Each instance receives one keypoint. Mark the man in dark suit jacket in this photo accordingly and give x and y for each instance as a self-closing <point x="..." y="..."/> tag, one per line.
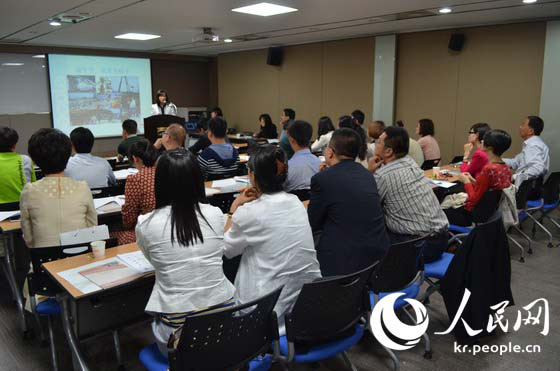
<point x="345" y="208"/>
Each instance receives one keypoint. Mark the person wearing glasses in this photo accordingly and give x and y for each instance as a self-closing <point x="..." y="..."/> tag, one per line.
<point x="172" y="138"/>
<point x="479" y="158"/>
<point x="163" y="105"/>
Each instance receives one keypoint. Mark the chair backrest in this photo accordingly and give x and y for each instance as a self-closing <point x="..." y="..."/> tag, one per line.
<point x="222" y="200"/>
<point x="302" y="194"/>
<point x="9" y="206"/>
<point x="552" y="188"/>
<point x="328" y="308"/>
<point x="115" y="190"/>
<point x="228" y="338"/>
<point x="456" y="159"/>
<point x="530" y="189"/>
<point x="429" y="164"/>
<point x="39" y="281"/>
<point x="487" y="206"/>
<point x="399" y="266"/>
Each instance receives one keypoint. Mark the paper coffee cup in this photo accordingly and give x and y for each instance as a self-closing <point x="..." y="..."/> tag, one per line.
<point x="98" y="249"/>
<point x="435" y="170"/>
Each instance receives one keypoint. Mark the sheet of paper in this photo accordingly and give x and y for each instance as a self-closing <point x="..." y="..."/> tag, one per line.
<point x="136" y="260"/>
<point x="443" y="183"/>
<point x="243" y="157"/>
<point x="7" y="214"/>
<point x="273" y="141"/>
<point x="86" y="235"/>
<point x="242" y="179"/>
<point x="80" y="282"/>
<point x="98" y="202"/>
<point x="124" y="173"/>
<point x="223" y="183"/>
<point x="211" y="191"/>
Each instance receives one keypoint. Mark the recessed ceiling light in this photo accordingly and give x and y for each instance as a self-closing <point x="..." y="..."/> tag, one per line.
<point x="12" y="64"/>
<point x="55" y="23"/>
<point x="529" y="1"/>
<point x="264" y="9"/>
<point x="228" y="40"/>
<point x="445" y="10"/>
<point x="137" y="36"/>
<point x="39" y="56"/>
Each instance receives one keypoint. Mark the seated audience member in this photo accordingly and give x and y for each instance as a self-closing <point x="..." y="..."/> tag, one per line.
<point x="344" y="207"/>
<point x="183" y="239"/>
<point x="56" y="203"/>
<point x="375" y="129"/>
<point x="410" y="206"/>
<point x="16" y="169"/>
<point x="414" y="149"/>
<point x="216" y="112"/>
<point x="267" y="130"/>
<point x="324" y="134"/>
<point x="288" y="116"/>
<point x="479" y="158"/>
<point x="534" y="160"/>
<point x="96" y="171"/>
<point x="139" y="189"/>
<point x="203" y="142"/>
<point x="270" y="230"/>
<point x="427" y="142"/>
<point x="349" y="122"/>
<point x="495" y="175"/>
<point x="172" y="138"/>
<point x="220" y="158"/>
<point x="130" y="136"/>
<point x="303" y="164"/>
<point x="358" y="117"/>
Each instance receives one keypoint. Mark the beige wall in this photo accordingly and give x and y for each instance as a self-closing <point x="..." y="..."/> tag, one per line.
<point x="328" y="78"/>
<point x="495" y="79"/>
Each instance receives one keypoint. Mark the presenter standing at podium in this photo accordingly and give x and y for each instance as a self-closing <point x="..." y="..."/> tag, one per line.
<point x="163" y="106"/>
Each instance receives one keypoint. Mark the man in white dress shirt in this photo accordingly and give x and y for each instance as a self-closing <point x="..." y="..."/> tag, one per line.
<point x="534" y="160"/>
<point x="96" y="171"/>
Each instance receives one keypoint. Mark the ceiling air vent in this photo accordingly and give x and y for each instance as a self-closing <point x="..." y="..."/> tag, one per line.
<point x="71" y="17"/>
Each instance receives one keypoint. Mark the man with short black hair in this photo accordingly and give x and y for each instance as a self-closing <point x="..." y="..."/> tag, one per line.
<point x="358" y="117"/>
<point x="220" y="158"/>
<point x="344" y="208"/>
<point x="286" y="119"/>
<point x="303" y="164"/>
<point x="534" y="160"/>
<point x="96" y="171"/>
<point x="410" y="206"/>
<point x="16" y="169"/>
<point x="203" y="142"/>
<point x="130" y="136"/>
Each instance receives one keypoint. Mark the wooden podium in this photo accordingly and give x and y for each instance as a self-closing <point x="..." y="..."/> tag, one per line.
<point x="154" y="126"/>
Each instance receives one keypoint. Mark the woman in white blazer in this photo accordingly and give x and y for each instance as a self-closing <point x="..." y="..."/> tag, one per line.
<point x="183" y="239"/>
<point x="163" y="105"/>
<point x="270" y="230"/>
<point x="324" y="134"/>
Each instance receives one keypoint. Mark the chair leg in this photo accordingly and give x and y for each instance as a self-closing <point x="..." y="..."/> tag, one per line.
<point x="348" y="362"/>
<point x="33" y="302"/>
<point x="522" y="258"/>
<point x="518" y="229"/>
<point x="542" y="227"/>
<point x="53" y="346"/>
<point x="117" y="343"/>
<point x="427" y="342"/>
<point x="394" y="358"/>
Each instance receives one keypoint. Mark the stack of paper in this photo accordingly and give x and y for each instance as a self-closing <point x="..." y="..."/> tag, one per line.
<point x="136" y="260"/>
<point x="443" y="183"/>
<point x="230" y="182"/>
<point x="242" y="179"/>
<point x="211" y="191"/>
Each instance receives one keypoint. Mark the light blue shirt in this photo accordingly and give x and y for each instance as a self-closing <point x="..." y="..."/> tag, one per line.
<point x="96" y="171"/>
<point x="301" y="167"/>
<point x="532" y="162"/>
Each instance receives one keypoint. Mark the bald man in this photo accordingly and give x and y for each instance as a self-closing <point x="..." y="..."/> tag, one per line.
<point x="173" y="137"/>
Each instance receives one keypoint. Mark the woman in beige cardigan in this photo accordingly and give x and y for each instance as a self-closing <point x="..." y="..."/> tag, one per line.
<point x="56" y="203"/>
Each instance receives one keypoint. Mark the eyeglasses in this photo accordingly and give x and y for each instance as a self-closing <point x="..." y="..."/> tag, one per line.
<point x="472" y="132"/>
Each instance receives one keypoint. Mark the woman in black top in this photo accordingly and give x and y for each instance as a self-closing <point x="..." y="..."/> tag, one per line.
<point x="267" y="128"/>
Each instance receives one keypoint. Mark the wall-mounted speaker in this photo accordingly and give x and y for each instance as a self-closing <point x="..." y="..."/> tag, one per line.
<point x="275" y="56"/>
<point x="456" y="42"/>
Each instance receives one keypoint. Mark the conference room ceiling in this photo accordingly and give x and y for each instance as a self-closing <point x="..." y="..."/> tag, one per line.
<point x="26" y="22"/>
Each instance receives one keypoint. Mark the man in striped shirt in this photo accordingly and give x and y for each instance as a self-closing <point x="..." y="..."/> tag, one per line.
<point x="410" y="206"/>
<point x="220" y="158"/>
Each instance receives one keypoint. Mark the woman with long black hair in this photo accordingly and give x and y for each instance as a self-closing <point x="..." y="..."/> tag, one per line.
<point x="163" y="106"/>
<point x="183" y="239"/>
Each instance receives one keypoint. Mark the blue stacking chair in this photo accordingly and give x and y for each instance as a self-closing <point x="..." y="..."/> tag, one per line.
<point x="529" y="202"/>
<point x="39" y="282"/>
<point x="546" y="205"/>
<point x="401" y="270"/>
<point x="327" y="319"/>
<point x="225" y="339"/>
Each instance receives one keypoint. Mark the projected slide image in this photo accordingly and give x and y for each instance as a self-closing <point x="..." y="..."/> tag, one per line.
<point x="103" y="99"/>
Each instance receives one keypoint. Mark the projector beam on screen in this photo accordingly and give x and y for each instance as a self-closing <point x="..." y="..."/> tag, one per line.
<point x="99" y="92"/>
